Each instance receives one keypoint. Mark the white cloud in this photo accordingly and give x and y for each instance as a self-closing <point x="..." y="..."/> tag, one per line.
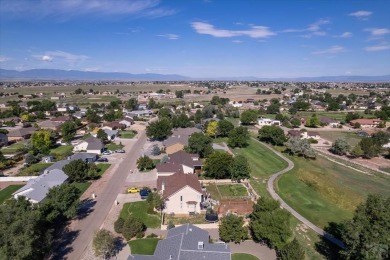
<point x="381" y="47"/>
<point x="4" y="59"/>
<point x="345" y="35"/>
<point x="378" y="31"/>
<point x="237" y="41"/>
<point x="332" y="50"/>
<point x="47" y="58"/>
<point x="60" y="55"/>
<point x="169" y="36"/>
<point x="361" y="14"/>
<point x="313" y="29"/>
<point x="150" y="8"/>
<point x="253" y="32"/>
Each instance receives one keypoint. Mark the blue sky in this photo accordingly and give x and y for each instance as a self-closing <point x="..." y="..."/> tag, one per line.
<point x="198" y="38"/>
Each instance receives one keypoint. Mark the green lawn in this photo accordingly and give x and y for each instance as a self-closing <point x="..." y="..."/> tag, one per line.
<point x="127" y="134"/>
<point x="263" y="163"/>
<point x="323" y="191"/>
<point x="351" y="137"/>
<point x="62" y="151"/>
<point x="337" y="115"/>
<point x="82" y="186"/>
<point x="138" y="210"/>
<point x="7" y="192"/>
<point x="212" y="189"/>
<point x="232" y="190"/>
<point x="13" y="148"/>
<point x="144" y="246"/>
<point x="33" y="169"/>
<point x="234" y="121"/>
<point x="102" y="167"/>
<point x="114" y="146"/>
<point x="242" y="256"/>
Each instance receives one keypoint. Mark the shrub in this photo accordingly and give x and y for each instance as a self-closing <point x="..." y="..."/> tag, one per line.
<point x="140" y="235"/>
<point x="118" y="225"/>
<point x="152" y="236"/>
<point x="132" y="227"/>
<point x="313" y="141"/>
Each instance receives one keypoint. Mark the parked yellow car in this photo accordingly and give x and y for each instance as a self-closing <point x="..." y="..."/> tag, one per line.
<point x="133" y="190"/>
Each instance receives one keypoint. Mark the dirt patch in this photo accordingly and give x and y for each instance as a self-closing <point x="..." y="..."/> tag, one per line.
<point x="4" y="185"/>
<point x="240" y="207"/>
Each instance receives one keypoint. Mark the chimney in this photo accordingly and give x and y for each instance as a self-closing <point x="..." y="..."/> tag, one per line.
<point x="163" y="186"/>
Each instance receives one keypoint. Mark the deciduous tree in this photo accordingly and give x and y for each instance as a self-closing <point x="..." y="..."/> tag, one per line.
<point x="340" y="147"/>
<point x="238" y="137"/>
<point x="41" y="141"/>
<point x="248" y="117"/>
<point x="104" y="244"/>
<point x="300" y="147"/>
<point x="160" y="129"/>
<point x="200" y="144"/>
<point x="212" y="129"/>
<point x="232" y="228"/>
<point x="366" y="236"/>
<point x="144" y="163"/>
<point x="270" y="223"/>
<point x="224" y="128"/>
<point x="218" y="165"/>
<point x="68" y="131"/>
<point x="240" y="168"/>
<point x="292" y="251"/>
<point x="272" y="134"/>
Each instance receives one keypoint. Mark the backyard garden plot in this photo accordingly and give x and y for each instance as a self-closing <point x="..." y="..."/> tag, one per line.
<point x="180" y="220"/>
<point x="220" y="191"/>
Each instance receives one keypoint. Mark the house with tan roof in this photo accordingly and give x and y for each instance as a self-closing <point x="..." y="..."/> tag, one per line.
<point x="182" y="193"/>
<point x="179" y="139"/>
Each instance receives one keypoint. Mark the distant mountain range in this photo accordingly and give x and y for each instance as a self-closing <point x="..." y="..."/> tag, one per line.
<point x="53" y="74"/>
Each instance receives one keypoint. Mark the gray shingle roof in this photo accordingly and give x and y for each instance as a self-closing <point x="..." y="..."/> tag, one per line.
<point x="94" y="143"/>
<point x="41" y="185"/>
<point x="182" y="244"/>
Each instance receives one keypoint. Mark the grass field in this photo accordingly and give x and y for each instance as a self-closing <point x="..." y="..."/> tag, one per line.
<point x="263" y="163"/>
<point x="82" y="186"/>
<point x="13" y="148"/>
<point x="62" y="151"/>
<point x="102" y="167"/>
<point x="234" y="121"/>
<point x="241" y="256"/>
<point x="338" y="115"/>
<point x="144" y="246"/>
<point x="33" y="169"/>
<point x="7" y="192"/>
<point x="351" y="137"/>
<point x="324" y="192"/>
<point x="127" y="134"/>
<point x="138" y="211"/>
<point x="232" y="190"/>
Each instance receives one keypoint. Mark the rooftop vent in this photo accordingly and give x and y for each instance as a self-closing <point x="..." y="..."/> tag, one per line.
<point x="200" y="245"/>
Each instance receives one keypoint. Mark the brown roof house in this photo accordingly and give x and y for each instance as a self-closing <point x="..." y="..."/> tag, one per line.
<point x="21" y="133"/>
<point x="180" y="161"/>
<point x="53" y="125"/>
<point x="182" y="193"/>
<point x="179" y="139"/>
<point x="366" y="123"/>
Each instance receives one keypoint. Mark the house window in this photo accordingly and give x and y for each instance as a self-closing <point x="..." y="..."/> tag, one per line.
<point x="181" y="198"/>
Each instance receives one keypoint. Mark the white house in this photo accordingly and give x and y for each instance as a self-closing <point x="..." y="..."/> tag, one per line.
<point x="90" y="145"/>
<point x="182" y="193"/>
<point x="310" y="135"/>
<point x="127" y="121"/>
<point x="267" y="121"/>
<point x="235" y="104"/>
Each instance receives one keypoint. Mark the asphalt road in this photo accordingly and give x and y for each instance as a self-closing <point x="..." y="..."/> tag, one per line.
<point x="272" y="192"/>
<point x="104" y="200"/>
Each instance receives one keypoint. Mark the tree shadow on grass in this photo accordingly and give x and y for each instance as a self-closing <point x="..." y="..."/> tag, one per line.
<point x="86" y="208"/>
<point x="327" y="248"/>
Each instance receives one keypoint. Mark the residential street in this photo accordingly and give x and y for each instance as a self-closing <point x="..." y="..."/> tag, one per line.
<point x="105" y="198"/>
